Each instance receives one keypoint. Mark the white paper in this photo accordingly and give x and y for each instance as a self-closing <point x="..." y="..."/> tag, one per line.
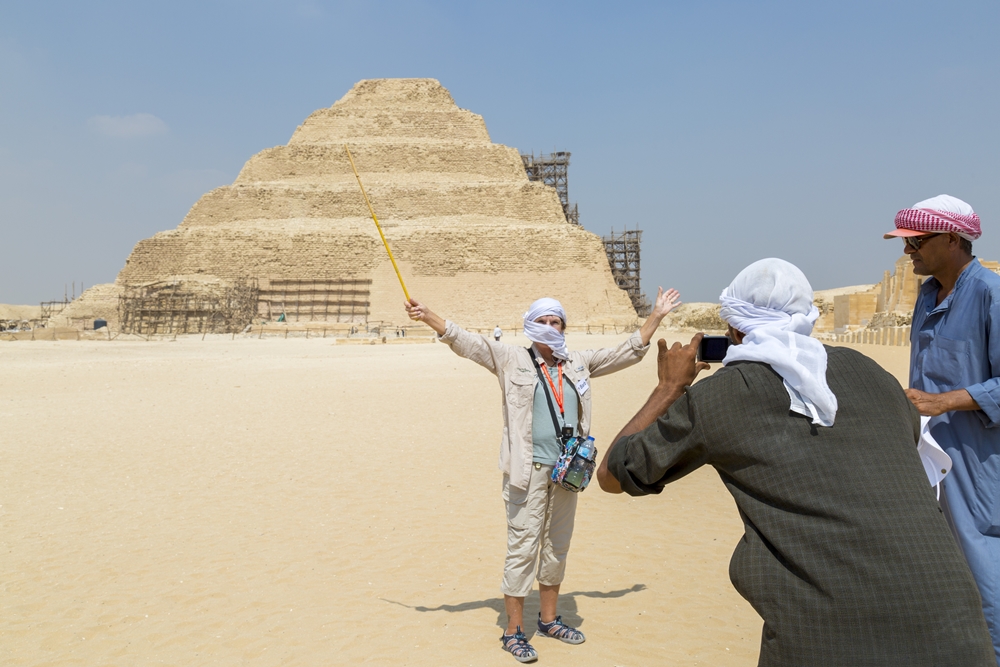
<point x="937" y="463"/>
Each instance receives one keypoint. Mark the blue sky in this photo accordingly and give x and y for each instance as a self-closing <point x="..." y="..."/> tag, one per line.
<point x="727" y="131"/>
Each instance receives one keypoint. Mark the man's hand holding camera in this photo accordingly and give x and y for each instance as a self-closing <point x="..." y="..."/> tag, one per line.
<point x="676" y="368"/>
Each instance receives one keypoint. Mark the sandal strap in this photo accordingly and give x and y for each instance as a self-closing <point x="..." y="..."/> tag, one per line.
<point x="517" y="644"/>
<point x="559" y="630"/>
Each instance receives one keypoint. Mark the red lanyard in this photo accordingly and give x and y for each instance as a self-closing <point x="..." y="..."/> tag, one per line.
<point x="558" y="393"/>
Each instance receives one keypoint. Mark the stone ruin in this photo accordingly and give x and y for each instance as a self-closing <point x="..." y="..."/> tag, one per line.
<point x="875" y="314"/>
<point x="474" y="238"/>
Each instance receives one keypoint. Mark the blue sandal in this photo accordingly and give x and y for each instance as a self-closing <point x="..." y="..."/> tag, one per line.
<point x="559" y="630"/>
<point x="517" y="645"/>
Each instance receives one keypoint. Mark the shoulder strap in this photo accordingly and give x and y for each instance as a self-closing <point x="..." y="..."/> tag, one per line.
<point x="545" y="388"/>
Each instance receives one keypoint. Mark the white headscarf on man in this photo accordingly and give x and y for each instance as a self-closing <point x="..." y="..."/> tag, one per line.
<point x="771" y="302"/>
<point x="543" y="333"/>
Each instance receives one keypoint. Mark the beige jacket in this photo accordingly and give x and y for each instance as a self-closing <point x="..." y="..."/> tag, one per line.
<point x="516" y="374"/>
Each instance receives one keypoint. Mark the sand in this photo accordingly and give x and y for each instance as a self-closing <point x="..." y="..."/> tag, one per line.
<point x="12" y="312"/>
<point x="296" y="502"/>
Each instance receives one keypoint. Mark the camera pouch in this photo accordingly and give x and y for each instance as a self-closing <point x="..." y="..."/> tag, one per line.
<point x="576" y="464"/>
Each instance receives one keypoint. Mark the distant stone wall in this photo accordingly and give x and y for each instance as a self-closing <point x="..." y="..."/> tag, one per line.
<point x="853" y="310"/>
<point x="869" y="306"/>
<point x="879" y="336"/>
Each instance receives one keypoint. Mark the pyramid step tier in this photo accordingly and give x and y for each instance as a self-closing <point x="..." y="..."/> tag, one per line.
<point x="422" y="94"/>
<point x="426" y="162"/>
<point x="337" y="253"/>
<point x="529" y="201"/>
<point x="476" y="276"/>
<point x="336" y="125"/>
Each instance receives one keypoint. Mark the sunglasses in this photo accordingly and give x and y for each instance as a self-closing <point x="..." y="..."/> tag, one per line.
<point x="916" y="241"/>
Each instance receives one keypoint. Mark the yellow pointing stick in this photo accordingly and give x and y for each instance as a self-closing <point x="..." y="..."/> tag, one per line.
<point x="377" y="226"/>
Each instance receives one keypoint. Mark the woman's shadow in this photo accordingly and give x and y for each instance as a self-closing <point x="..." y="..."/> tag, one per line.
<point x="567" y="606"/>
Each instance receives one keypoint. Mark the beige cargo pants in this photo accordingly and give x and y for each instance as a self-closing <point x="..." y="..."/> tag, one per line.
<point x="539" y="529"/>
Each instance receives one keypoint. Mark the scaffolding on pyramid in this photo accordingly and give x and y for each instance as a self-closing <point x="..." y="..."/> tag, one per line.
<point x="623" y="257"/>
<point x="553" y="170"/>
<point x="181" y="307"/>
<point x="320" y="300"/>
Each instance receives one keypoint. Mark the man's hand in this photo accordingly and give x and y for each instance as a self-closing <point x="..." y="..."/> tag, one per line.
<point x="933" y="405"/>
<point x="665" y="302"/>
<point x="677" y="367"/>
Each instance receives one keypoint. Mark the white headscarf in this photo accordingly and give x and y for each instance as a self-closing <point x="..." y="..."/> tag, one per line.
<point x="770" y="301"/>
<point x="543" y="333"/>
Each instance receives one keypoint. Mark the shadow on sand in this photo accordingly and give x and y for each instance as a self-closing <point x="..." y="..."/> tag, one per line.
<point x="567" y="606"/>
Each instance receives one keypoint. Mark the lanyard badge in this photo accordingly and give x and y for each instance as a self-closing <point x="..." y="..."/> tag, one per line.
<point x="557" y="393"/>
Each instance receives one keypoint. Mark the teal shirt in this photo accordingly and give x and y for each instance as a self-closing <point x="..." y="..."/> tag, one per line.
<point x="546" y="446"/>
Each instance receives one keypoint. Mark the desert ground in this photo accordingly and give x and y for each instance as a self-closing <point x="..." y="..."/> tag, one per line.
<point x="301" y="502"/>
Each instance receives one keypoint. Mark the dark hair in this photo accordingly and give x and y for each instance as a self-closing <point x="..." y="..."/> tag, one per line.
<point x="965" y="245"/>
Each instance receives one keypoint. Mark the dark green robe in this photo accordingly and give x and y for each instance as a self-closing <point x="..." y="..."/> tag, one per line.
<point x="846" y="555"/>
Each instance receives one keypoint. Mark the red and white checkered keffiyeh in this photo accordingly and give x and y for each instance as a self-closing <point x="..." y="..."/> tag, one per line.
<point x="943" y="213"/>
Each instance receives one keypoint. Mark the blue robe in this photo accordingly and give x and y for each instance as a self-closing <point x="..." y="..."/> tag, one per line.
<point x="956" y="345"/>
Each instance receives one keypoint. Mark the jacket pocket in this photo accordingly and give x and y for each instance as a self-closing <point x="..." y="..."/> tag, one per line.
<point x="520" y="390"/>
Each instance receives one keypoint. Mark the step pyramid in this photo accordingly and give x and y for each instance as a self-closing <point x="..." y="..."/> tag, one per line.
<point x="474" y="238"/>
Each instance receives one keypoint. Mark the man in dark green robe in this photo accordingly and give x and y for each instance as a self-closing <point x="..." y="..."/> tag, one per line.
<point x="846" y="555"/>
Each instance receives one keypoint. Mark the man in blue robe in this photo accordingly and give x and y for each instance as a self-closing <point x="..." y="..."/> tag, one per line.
<point x="955" y="377"/>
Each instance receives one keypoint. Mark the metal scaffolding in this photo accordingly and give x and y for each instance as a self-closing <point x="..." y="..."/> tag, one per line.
<point x="341" y="300"/>
<point x="52" y="308"/>
<point x="553" y="170"/>
<point x="623" y="257"/>
<point x="179" y="307"/>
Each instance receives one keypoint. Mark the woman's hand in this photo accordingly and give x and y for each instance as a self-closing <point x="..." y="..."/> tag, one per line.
<point x="665" y="302"/>
<point x="421" y="313"/>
